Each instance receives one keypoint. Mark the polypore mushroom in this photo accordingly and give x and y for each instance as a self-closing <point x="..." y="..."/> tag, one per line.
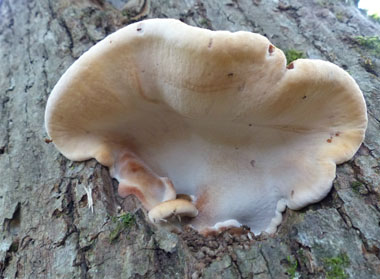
<point x="217" y="113"/>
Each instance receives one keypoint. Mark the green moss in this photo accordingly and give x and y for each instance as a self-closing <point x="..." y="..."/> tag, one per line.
<point x="204" y="22"/>
<point x="301" y="256"/>
<point x="372" y="43"/>
<point x="293" y="54"/>
<point x="368" y="65"/>
<point x="121" y="223"/>
<point x="356" y="185"/>
<point x="359" y="187"/>
<point x="127" y="13"/>
<point x="322" y="3"/>
<point x="292" y="269"/>
<point x="340" y="16"/>
<point x="335" y="266"/>
<point x="14" y="246"/>
<point x="375" y="17"/>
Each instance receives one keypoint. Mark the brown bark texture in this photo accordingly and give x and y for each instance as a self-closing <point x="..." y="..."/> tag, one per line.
<point x="47" y="229"/>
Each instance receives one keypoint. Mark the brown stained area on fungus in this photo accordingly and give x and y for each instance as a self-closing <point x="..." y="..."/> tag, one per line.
<point x="290" y="66"/>
<point x="126" y="190"/>
<point x="271" y="49"/>
<point x="135" y="167"/>
<point x="337" y="134"/>
<point x="134" y="174"/>
<point x="131" y="165"/>
<point x="202" y="199"/>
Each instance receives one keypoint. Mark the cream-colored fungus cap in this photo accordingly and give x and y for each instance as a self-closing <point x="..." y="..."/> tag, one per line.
<point x="214" y="113"/>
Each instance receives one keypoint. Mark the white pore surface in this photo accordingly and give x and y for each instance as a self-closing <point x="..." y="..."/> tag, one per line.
<point x="249" y="181"/>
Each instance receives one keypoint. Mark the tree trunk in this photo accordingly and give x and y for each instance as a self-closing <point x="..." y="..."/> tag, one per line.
<point x="48" y="231"/>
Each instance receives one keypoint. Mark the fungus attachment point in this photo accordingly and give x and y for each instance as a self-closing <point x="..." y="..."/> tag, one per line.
<point x="185" y="197"/>
<point x="172" y="108"/>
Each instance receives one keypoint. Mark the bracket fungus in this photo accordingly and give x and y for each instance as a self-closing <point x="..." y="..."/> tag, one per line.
<point x="174" y="109"/>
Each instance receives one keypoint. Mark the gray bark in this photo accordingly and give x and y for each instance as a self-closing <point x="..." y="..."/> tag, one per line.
<point x="47" y="230"/>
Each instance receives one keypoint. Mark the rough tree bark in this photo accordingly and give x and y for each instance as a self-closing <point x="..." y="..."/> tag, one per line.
<point x="47" y="230"/>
